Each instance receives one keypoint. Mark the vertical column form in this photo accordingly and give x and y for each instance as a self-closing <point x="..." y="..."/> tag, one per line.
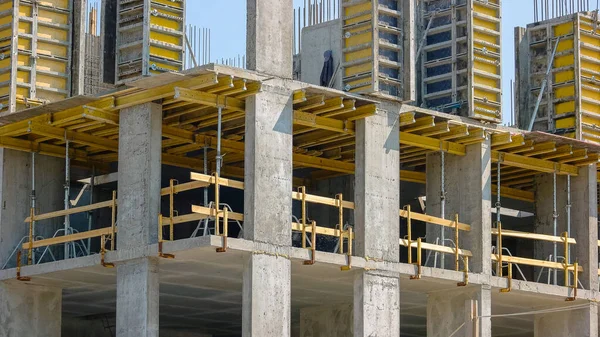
<point x="377" y="200"/>
<point x="572" y="323"/>
<point x="468" y="194"/>
<point x="137" y="298"/>
<point x="268" y="211"/>
<point x="139" y="174"/>
<point x="78" y="47"/>
<point x="269" y="36"/>
<point x="446" y="312"/>
<point x="30" y="310"/>
<point x="584" y="225"/>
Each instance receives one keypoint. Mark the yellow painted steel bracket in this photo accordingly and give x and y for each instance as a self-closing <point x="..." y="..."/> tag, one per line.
<point x="19" y="277"/>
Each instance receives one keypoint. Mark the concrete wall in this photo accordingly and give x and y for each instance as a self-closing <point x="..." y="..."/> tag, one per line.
<point x="315" y="41"/>
<point x="15" y="191"/>
<point x="327" y="321"/>
<point x="29" y="310"/>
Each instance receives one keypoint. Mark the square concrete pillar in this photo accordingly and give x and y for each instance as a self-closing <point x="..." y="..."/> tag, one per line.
<point x="140" y="151"/>
<point x="30" y="310"/>
<point x="377" y="228"/>
<point x="584" y="225"/>
<point x="447" y="310"/>
<point x="269" y="36"/>
<point x="467" y="182"/>
<point x="137" y="298"/>
<point x="584" y="228"/>
<point x="268" y="211"/>
<point x="140" y="135"/>
<point x="572" y="323"/>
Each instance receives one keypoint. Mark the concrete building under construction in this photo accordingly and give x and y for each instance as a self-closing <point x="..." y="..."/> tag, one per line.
<point x="370" y="192"/>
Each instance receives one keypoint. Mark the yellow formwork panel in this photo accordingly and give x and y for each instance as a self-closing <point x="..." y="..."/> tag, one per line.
<point x="486" y="40"/>
<point x="565" y="123"/>
<point x="566" y="28"/>
<point x="563" y="92"/>
<point x="564" y="107"/>
<point x="41" y="53"/>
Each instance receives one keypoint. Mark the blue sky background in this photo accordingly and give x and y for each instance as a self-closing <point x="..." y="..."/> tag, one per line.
<point x="228" y="34"/>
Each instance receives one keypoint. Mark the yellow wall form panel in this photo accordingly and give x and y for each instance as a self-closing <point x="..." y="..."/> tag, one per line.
<point x="43" y="45"/>
<point x="564" y="91"/>
<point x="565" y="123"/>
<point x="563" y="29"/>
<point x="566" y="107"/>
<point x="564" y="76"/>
<point x="591" y="108"/>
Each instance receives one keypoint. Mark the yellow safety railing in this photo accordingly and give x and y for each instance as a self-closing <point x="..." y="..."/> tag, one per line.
<point x="107" y="231"/>
<point x="564" y="239"/>
<point x="459" y="254"/>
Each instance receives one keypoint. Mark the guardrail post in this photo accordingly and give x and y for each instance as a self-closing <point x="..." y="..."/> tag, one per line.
<point x="419" y="261"/>
<point x="223" y="249"/>
<point x="509" y="278"/>
<point x="339" y="198"/>
<point x="499" y="250"/>
<point x="31" y="236"/>
<point x="456" y="252"/>
<point x="409" y="233"/>
<point x="113" y="220"/>
<point x="302" y="190"/>
<point x="313" y="246"/>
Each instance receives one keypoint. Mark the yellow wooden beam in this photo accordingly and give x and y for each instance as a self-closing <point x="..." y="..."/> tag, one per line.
<point x="204" y="98"/>
<point x="149" y="95"/>
<point x="534" y="164"/>
<point x="324" y="123"/>
<point x="431" y="143"/>
<point x="75" y="137"/>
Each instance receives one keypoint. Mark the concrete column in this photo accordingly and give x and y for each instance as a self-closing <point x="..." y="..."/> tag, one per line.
<point x="140" y="129"/>
<point x="573" y="323"/>
<point x="269" y="36"/>
<point x="268" y="212"/>
<point x="447" y="311"/>
<point x="15" y="191"/>
<point x="377" y="228"/>
<point x="584" y="225"/>
<point x="30" y="310"/>
<point x="139" y="205"/>
<point x="137" y="298"/>
<point x="468" y="194"/>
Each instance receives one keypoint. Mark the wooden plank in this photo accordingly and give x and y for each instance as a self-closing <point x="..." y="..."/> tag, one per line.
<point x="74" y="210"/>
<point x="532" y="262"/>
<point x="70" y="238"/>
<point x="184" y="187"/>
<point x="184" y="218"/>
<point x="222" y="181"/>
<point x="436" y="248"/>
<point x="434" y="220"/>
<point x="532" y="236"/>
<point x="320" y="230"/>
<point x="210" y="211"/>
<point x="322" y="200"/>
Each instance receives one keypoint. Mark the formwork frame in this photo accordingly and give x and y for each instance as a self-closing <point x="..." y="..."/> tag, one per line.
<point x="378" y="46"/>
<point x="571" y="101"/>
<point x="39" y="34"/>
<point x="460" y="61"/>
<point x="150" y="38"/>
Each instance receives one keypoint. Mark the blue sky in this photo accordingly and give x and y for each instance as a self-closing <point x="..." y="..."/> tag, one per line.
<point x="228" y="32"/>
